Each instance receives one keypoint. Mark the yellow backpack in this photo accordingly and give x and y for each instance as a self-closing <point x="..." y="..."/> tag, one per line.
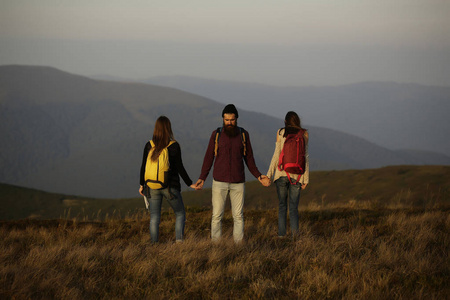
<point x="157" y="172"/>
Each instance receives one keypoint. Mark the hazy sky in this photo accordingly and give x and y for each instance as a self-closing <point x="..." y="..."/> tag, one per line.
<point x="297" y="42"/>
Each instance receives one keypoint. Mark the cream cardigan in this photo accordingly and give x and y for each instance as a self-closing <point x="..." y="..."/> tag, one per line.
<point x="273" y="168"/>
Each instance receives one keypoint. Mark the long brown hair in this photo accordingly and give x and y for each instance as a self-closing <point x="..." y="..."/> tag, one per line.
<point x="292" y="123"/>
<point x="162" y="135"/>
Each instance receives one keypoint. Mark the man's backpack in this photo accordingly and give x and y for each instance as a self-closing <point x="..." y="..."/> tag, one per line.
<point x="157" y="172"/>
<point x="292" y="157"/>
<point x="242" y="134"/>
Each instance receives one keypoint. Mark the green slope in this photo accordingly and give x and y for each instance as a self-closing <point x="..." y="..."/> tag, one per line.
<point x="393" y="186"/>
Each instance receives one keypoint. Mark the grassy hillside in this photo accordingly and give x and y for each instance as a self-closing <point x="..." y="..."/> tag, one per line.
<point x="397" y="186"/>
<point x="19" y="203"/>
<point x="366" y="234"/>
<point x="342" y="253"/>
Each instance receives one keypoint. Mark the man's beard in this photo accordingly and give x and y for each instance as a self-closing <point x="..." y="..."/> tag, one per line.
<point x="230" y="130"/>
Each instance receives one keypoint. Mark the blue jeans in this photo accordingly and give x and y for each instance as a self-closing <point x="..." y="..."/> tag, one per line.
<point x="219" y="196"/>
<point x="176" y="202"/>
<point x="287" y="190"/>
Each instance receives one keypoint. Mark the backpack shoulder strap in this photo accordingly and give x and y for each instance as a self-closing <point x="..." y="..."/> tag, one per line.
<point x="216" y="140"/>
<point x="244" y="140"/>
<point x="301" y="132"/>
<point x="152" y="144"/>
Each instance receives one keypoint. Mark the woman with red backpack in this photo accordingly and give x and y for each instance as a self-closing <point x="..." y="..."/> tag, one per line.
<point x="289" y="168"/>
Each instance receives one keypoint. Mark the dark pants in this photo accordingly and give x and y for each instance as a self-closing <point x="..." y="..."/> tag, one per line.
<point x="285" y="191"/>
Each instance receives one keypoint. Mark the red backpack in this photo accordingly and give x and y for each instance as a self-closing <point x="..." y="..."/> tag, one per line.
<point x="292" y="157"/>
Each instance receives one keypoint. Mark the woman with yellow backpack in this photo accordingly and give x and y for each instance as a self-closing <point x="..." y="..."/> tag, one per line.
<point x="159" y="178"/>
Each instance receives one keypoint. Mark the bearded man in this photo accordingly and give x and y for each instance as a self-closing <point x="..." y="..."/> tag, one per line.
<point x="229" y="147"/>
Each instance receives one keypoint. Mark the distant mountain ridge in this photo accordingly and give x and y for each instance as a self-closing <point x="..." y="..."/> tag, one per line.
<point x="392" y="115"/>
<point x="69" y="134"/>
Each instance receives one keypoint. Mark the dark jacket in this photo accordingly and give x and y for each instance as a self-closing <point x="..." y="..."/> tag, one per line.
<point x="229" y="163"/>
<point x="176" y="166"/>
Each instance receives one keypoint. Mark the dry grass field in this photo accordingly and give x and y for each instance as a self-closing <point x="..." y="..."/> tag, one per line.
<point x="351" y="251"/>
<point x="364" y="234"/>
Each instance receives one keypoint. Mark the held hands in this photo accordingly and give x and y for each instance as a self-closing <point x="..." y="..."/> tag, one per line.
<point x="140" y="190"/>
<point x="198" y="185"/>
<point x="265" y="181"/>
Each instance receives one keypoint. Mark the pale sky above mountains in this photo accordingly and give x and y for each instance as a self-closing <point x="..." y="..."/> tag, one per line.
<point x="286" y="42"/>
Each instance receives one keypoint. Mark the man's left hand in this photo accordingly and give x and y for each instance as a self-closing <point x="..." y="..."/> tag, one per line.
<point x="265" y="181"/>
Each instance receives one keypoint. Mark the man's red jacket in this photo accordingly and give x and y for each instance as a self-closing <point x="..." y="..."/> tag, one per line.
<point x="229" y="163"/>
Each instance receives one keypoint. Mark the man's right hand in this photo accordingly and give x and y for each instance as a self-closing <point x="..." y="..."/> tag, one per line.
<point x="199" y="184"/>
